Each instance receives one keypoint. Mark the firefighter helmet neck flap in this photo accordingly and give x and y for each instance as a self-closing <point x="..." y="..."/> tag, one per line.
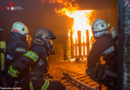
<point x="99" y="28"/>
<point x="44" y="36"/>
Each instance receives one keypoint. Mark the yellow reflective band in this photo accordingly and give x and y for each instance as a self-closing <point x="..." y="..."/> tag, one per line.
<point x="20" y="50"/>
<point x="13" y="72"/>
<point x="2" y="54"/>
<point x="31" y="55"/>
<point x="31" y="85"/>
<point x="2" y="57"/>
<point x="3" y="45"/>
<point x="45" y="85"/>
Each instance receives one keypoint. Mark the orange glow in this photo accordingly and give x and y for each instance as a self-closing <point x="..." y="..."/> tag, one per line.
<point x="85" y="50"/>
<point x="81" y="22"/>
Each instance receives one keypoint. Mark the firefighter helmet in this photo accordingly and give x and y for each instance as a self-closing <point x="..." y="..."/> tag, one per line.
<point x="44" y="36"/>
<point x="99" y="25"/>
<point x="20" y="28"/>
<point x="99" y="28"/>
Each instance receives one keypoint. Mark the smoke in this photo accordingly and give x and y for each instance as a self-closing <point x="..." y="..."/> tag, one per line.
<point x="97" y="4"/>
<point x="84" y="4"/>
<point x="62" y="3"/>
<point x="43" y="1"/>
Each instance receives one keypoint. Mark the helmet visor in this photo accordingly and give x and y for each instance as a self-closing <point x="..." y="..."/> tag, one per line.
<point x="51" y="37"/>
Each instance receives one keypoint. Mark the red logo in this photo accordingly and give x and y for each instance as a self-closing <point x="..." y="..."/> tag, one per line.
<point x="11" y="7"/>
<point x="11" y="4"/>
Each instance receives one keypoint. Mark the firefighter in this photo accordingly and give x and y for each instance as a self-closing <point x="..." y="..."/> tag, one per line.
<point x="103" y="46"/>
<point x="16" y="45"/>
<point x="4" y="35"/>
<point x="33" y="66"/>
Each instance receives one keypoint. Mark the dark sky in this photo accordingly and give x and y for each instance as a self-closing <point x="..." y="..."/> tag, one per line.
<point x="36" y="14"/>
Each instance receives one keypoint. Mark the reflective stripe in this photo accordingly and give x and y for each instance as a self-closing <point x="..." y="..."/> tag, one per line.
<point x="110" y="73"/>
<point x="9" y="57"/>
<point x="20" y="50"/>
<point x="2" y="54"/>
<point x="45" y="85"/>
<point x="13" y="72"/>
<point x="31" y="55"/>
<point x="2" y="61"/>
<point x="31" y="85"/>
<point x="109" y="50"/>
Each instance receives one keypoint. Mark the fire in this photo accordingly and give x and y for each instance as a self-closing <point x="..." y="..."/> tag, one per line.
<point x="81" y="28"/>
<point x="81" y="23"/>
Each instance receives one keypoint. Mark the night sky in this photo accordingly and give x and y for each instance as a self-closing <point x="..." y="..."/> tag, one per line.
<point x="38" y="14"/>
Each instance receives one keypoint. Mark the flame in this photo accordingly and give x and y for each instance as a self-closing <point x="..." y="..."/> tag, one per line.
<point x="81" y="22"/>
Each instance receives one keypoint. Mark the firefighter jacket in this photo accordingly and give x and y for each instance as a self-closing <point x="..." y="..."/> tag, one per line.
<point x="16" y="47"/>
<point x="32" y="64"/>
<point x="104" y="46"/>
